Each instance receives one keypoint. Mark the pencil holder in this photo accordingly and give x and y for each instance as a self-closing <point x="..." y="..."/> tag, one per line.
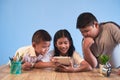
<point x="15" y="67"/>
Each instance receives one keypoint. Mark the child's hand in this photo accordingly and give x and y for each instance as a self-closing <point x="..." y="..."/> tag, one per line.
<point x="27" y="66"/>
<point x="55" y="61"/>
<point x="119" y="72"/>
<point x="87" y="42"/>
<point x="63" y="68"/>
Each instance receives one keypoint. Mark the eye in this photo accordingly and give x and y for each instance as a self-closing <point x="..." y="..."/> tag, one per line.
<point x="86" y="31"/>
<point x="60" y="43"/>
<point x="44" y="46"/>
<point x="66" y="42"/>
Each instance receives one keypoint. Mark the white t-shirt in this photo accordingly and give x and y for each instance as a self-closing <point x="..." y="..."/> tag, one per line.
<point x="28" y="55"/>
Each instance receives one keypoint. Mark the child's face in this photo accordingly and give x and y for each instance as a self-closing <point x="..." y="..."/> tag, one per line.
<point x="63" y="45"/>
<point x="90" y="31"/>
<point x="42" y="47"/>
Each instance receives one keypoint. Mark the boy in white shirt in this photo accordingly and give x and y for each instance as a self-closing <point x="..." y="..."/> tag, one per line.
<point x="36" y="54"/>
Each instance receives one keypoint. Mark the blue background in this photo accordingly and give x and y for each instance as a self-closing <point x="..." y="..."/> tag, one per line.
<point x="19" y="19"/>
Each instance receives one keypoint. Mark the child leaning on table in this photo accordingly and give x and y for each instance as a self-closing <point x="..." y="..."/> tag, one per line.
<point x="36" y="54"/>
<point x="63" y="46"/>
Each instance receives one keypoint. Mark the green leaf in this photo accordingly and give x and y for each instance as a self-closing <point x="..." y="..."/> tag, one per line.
<point x="103" y="58"/>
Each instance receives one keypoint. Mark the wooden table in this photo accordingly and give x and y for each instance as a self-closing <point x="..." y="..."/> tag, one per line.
<point x="49" y="74"/>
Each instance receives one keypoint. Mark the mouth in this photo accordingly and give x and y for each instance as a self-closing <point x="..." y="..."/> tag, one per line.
<point x="63" y="50"/>
<point x="42" y="53"/>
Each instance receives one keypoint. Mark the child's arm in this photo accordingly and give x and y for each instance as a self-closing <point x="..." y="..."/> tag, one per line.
<point x="88" y="55"/>
<point x="84" y="66"/>
<point x="119" y="72"/>
<point x="41" y="64"/>
<point x="28" y="62"/>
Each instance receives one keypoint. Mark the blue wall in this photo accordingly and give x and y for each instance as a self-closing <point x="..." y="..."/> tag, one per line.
<point x="19" y="19"/>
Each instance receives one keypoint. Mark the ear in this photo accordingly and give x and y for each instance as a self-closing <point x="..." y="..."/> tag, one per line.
<point x="33" y="44"/>
<point x="55" y="44"/>
<point x="96" y="24"/>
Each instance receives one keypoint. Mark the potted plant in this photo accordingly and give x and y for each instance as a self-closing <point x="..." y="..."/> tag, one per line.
<point x="104" y="59"/>
<point x="105" y="67"/>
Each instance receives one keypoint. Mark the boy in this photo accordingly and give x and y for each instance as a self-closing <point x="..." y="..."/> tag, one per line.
<point x="98" y="38"/>
<point x="36" y="55"/>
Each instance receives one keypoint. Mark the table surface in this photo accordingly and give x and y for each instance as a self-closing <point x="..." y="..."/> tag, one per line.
<point x="50" y="74"/>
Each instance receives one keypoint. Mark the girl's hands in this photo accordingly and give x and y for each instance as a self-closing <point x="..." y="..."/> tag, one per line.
<point x="65" y="68"/>
<point x="55" y="61"/>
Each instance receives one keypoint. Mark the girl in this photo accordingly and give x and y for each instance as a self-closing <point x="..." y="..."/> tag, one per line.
<point x="63" y="46"/>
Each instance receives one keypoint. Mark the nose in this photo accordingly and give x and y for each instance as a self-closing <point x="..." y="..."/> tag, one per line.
<point x="63" y="45"/>
<point x="85" y="34"/>
<point x="46" y="49"/>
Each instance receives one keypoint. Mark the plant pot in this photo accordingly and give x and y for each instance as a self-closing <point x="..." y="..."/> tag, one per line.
<point x="101" y="67"/>
<point x="105" y="69"/>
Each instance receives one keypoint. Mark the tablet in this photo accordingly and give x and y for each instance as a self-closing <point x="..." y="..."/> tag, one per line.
<point x="63" y="60"/>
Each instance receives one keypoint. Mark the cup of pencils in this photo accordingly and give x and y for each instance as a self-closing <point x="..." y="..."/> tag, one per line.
<point x="16" y="66"/>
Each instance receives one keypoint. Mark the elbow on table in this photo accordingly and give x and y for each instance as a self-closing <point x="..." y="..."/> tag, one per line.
<point x="87" y="66"/>
<point x="90" y="68"/>
<point x="94" y="65"/>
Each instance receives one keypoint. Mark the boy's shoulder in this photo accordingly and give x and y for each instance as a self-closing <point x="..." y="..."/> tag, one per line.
<point x="25" y="47"/>
<point x="26" y="50"/>
<point x="109" y="26"/>
<point x="109" y="23"/>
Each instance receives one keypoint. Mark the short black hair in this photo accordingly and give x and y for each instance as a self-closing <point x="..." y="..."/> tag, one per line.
<point x="41" y="35"/>
<point x="63" y="33"/>
<point x="85" y="19"/>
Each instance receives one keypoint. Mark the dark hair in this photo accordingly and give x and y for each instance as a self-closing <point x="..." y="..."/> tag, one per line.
<point x="63" y="33"/>
<point x="85" y="19"/>
<point x="41" y="35"/>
